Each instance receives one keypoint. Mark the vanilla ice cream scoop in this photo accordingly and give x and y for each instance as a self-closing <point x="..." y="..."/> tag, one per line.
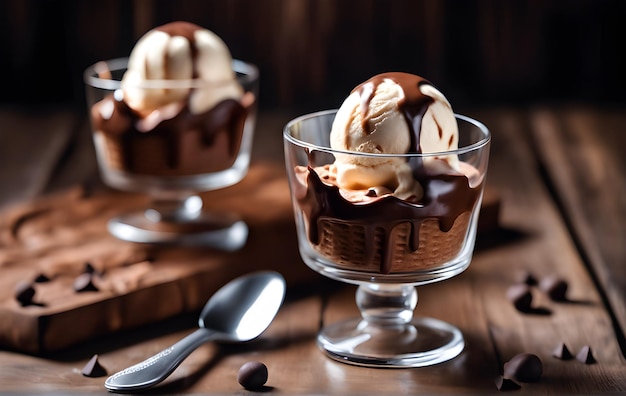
<point x="179" y="51"/>
<point x="392" y="113"/>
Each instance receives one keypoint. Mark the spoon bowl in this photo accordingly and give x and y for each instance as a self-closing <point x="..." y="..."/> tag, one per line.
<point x="253" y="301"/>
<point x="240" y="311"/>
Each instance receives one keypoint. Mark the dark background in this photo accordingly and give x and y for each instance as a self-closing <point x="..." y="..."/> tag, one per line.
<point x="312" y="52"/>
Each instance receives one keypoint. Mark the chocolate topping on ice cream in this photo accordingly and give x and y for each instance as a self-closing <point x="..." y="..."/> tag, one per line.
<point x="377" y="209"/>
<point x="123" y="126"/>
<point x="413" y="106"/>
<point x="186" y="30"/>
<point x="180" y="28"/>
<point x="445" y="198"/>
<point x="180" y="109"/>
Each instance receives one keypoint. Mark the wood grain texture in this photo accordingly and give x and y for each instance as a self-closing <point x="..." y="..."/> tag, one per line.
<point x="58" y="236"/>
<point x="541" y="244"/>
<point x="312" y="52"/>
<point x="583" y="152"/>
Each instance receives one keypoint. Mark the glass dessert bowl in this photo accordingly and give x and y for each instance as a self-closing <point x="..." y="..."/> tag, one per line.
<point x="387" y="245"/>
<point x="174" y="151"/>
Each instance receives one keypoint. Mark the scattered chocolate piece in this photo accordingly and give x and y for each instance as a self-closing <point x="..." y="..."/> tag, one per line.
<point x="562" y="352"/>
<point x="252" y="375"/>
<point x="521" y="296"/>
<point x="524" y="367"/>
<point x="585" y="355"/>
<point x="528" y="279"/>
<point x="24" y="293"/>
<point x="89" y="268"/>
<point x="371" y="193"/>
<point x="93" y="368"/>
<point x="554" y="287"/>
<point x="506" y="384"/>
<point x="84" y="283"/>
<point x="41" y="278"/>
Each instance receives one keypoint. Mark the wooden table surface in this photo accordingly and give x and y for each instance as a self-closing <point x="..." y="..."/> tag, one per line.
<point x="559" y="172"/>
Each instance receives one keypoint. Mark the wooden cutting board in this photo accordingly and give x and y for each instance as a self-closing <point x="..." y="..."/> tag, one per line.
<point x="59" y="237"/>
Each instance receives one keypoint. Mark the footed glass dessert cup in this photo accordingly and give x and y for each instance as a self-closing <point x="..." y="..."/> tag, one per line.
<point x="173" y="153"/>
<point x="386" y="245"/>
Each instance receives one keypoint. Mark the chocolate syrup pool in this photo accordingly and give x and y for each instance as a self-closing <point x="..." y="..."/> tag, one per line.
<point x="227" y="117"/>
<point x="446" y="197"/>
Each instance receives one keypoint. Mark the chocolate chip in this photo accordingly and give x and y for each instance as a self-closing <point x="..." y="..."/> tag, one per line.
<point x="89" y="268"/>
<point x="528" y="279"/>
<point x="585" y="355"/>
<point x="506" y="384"/>
<point x="41" y="278"/>
<point x="24" y="293"/>
<point x="252" y="375"/>
<point x="524" y="367"/>
<point x="554" y="287"/>
<point x="84" y="283"/>
<point x="521" y="296"/>
<point x="371" y="193"/>
<point x="562" y="352"/>
<point x="93" y="368"/>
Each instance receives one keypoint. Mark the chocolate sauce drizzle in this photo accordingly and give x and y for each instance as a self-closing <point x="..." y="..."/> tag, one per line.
<point x="186" y="30"/>
<point x="413" y="105"/>
<point x="446" y="196"/>
<point x="227" y="116"/>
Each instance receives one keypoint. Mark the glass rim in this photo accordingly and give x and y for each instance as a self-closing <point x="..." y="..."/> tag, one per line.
<point x="246" y="73"/>
<point x="461" y="150"/>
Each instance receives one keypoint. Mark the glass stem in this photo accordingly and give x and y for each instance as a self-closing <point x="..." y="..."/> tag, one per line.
<point x="174" y="207"/>
<point x="386" y="305"/>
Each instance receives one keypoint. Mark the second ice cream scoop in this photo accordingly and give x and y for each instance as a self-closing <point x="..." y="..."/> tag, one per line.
<point x="179" y="51"/>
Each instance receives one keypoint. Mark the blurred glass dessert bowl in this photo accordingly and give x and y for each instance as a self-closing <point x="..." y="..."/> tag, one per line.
<point x="386" y="194"/>
<point x="175" y="119"/>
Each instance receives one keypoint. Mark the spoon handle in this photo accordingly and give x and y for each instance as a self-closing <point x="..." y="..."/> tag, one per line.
<point x="158" y="367"/>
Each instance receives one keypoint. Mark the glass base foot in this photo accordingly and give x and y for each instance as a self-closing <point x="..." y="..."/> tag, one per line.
<point x="421" y="342"/>
<point x="220" y="231"/>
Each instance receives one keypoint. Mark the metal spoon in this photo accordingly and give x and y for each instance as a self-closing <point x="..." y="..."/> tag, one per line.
<point x="239" y="311"/>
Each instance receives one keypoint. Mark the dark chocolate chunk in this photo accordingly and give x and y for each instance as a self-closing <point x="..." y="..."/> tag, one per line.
<point x="562" y="352"/>
<point x="93" y="368"/>
<point x="554" y="287"/>
<point x="24" y="293"/>
<point x="528" y="278"/>
<point x="252" y="375"/>
<point x="506" y="384"/>
<point x="84" y="283"/>
<point x="521" y="296"/>
<point x="585" y="355"/>
<point x="524" y="367"/>
<point x="89" y="268"/>
<point x="41" y="278"/>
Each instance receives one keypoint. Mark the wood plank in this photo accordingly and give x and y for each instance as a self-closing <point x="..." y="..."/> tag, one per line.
<point x="535" y="239"/>
<point x="583" y="151"/>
